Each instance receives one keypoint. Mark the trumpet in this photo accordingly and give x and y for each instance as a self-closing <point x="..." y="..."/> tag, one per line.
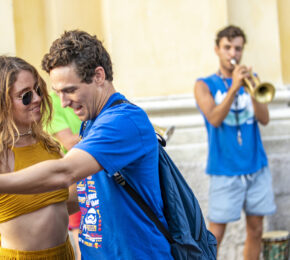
<point x="263" y="92"/>
<point x="166" y="133"/>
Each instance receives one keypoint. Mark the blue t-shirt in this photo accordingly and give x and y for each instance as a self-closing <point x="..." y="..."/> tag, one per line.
<point x="225" y="155"/>
<point x="121" y="138"/>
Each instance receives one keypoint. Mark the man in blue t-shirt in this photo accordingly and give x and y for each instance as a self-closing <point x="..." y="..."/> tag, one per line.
<point x="115" y="138"/>
<point x="237" y="163"/>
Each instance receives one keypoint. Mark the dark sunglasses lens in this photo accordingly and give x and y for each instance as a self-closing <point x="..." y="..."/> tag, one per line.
<point x="26" y="98"/>
<point x="38" y="91"/>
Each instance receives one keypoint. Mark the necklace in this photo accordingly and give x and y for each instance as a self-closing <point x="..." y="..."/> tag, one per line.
<point x="236" y="103"/>
<point x="29" y="132"/>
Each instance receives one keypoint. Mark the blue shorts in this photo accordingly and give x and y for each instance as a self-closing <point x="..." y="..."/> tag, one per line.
<point x="228" y="195"/>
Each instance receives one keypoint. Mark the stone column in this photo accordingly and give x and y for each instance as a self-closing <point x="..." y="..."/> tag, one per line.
<point x="7" y="43"/>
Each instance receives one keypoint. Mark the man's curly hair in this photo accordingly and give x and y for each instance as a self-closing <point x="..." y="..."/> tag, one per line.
<point x="83" y="50"/>
<point x="230" y="32"/>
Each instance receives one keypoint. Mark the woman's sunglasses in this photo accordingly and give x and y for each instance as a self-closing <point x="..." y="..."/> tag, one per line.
<point x="27" y="96"/>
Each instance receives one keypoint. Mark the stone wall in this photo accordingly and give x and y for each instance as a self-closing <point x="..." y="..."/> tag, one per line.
<point x="188" y="148"/>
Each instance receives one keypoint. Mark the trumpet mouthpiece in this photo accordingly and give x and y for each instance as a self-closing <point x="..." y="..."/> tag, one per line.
<point x="233" y="62"/>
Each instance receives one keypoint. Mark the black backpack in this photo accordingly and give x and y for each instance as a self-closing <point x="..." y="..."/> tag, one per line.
<point x="187" y="232"/>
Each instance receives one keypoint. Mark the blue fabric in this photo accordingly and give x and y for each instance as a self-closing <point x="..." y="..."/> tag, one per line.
<point x="225" y="155"/>
<point x="183" y="214"/>
<point x="251" y="192"/>
<point x="113" y="226"/>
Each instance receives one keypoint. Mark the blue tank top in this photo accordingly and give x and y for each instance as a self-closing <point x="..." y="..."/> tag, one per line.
<point x="226" y="156"/>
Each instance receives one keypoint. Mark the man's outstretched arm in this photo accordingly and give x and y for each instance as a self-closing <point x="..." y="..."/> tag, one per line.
<point x="50" y="175"/>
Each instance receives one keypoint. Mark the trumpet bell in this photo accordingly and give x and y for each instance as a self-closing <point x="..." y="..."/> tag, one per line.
<point x="264" y="92"/>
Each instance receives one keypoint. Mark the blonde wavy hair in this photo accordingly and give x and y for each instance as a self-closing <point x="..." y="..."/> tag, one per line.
<point x="10" y="67"/>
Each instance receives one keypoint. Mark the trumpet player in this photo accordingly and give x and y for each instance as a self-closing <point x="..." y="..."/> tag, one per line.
<point x="237" y="163"/>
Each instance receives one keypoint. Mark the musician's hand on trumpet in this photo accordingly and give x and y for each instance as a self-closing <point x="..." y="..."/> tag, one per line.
<point x="261" y="92"/>
<point x="240" y="72"/>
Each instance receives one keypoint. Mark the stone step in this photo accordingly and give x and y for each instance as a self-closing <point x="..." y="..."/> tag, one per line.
<point x="197" y="152"/>
<point x="188" y="135"/>
<point x="276" y="128"/>
<point x="199" y="135"/>
<point x="181" y="104"/>
<point x="281" y="116"/>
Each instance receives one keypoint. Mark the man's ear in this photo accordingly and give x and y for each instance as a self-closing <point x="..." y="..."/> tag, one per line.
<point x="216" y="49"/>
<point x="100" y="75"/>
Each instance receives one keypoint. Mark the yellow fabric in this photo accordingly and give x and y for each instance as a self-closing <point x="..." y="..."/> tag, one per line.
<point x="13" y="205"/>
<point x="61" y="252"/>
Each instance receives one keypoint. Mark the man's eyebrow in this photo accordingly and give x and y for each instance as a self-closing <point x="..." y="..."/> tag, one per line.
<point x="65" y="89"/>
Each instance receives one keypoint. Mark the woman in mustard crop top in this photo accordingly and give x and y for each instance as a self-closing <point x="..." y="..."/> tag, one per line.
<point x="31" y="226"/>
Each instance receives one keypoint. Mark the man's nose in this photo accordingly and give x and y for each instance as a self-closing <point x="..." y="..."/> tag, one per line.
<point x="64" y="100"/>
<point x="233" y="52"/>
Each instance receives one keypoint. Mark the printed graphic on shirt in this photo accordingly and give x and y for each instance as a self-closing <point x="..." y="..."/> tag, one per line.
<point x="91" y="221"/>
<point x="244" y="109"/>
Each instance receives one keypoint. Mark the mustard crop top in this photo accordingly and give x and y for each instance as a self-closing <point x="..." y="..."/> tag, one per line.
<point x="13" y="205"/>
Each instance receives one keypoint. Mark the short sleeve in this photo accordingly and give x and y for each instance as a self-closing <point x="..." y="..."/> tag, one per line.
<point x="114" y="141"/>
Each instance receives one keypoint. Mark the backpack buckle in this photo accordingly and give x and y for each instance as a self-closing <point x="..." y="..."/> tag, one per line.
<point x="119" y="179"/>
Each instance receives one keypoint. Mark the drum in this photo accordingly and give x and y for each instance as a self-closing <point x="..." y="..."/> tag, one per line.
<point x="276" y="245"/>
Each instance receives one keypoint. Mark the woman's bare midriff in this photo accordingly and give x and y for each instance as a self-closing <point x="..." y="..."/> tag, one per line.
<point x="38" y="230"/>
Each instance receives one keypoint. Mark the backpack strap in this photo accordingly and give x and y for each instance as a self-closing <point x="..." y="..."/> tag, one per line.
<point x="120" y="101"/>
<point x="144" y="206"/>
<point x="136" y="197"/>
